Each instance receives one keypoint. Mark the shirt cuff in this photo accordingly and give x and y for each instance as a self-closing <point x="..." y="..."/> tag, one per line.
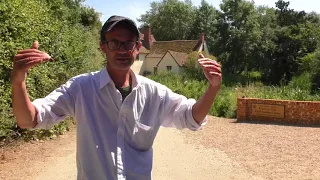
<point x="194" y="124"/>
<point x="39" y="118"/>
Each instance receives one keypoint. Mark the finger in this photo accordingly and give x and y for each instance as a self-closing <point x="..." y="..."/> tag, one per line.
<point x="212" y="68"/>
<point x="208" y="62"/>
<point x="32" y="64"/>
<point x="39" y="59"/>
<point x="31" y="55"/>
<point x="30" y="51"/>
<point x="35" y="45"/>
<point x="201" y="56"/>
<point x="206" y="59"/>
<point x="34" y="61"/>
<point x="216" y="74"/>
<point x="27" y="65"/>
<point x="28" y="60"/>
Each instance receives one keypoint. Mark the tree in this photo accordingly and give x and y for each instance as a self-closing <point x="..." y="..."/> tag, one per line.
<point x="266" y="46"/>
<point x="89" y="17"/>
<point x="295" y="38"/>
<point x="238" y="36"/>
<point x="205" y="20"/>
<point x="286" y="16"/>
<point x="171" y="19"/>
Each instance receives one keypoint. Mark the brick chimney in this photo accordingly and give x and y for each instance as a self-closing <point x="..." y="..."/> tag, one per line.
<point x="200" y="43"/>
<point x="147" y="36"/>
<point x="202" y="37"/>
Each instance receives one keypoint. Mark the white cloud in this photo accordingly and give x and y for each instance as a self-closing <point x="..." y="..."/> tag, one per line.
<point x="103" y="18"/>
<point x="264" y="2"/>
<point x="135" y="11"/>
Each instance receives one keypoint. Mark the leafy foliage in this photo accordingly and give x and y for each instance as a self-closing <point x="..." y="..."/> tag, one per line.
<point x="257" y="46"/>
<point x="225" y="104"/>
<point x="238" y="36"/>
<point x="192" y="68"/>
<point x="243" y="37"/>
<point x="65" y="29"/>
<point x="166" y="13"/>
<point x="204" y="22"/>
<point x="311" y="66"/>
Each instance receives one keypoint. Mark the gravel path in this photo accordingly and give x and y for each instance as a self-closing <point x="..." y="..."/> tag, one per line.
<point x="271" y="151"/>
<point x="221" y="150"/>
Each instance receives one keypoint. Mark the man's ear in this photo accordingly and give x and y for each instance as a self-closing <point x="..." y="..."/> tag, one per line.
<point x="102" y="47"/>
<point x="139" y="45"/>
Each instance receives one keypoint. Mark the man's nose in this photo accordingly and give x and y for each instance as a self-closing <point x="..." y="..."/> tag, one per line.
<point x="122" y="48"/>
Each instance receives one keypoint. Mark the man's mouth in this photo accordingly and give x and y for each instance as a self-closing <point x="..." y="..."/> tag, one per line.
<point x="123" y="59"/>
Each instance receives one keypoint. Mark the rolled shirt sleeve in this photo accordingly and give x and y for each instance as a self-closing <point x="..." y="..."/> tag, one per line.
<point x="178" y="112"/>
<point x="54" y="108"/>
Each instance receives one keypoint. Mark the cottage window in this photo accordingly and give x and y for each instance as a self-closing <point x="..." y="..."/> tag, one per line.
<point x="169" y="68"/>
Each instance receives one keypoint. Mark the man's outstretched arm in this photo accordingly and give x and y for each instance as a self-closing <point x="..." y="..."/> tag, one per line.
<point x="212" y="71"/>
<point x="23" y="109"/>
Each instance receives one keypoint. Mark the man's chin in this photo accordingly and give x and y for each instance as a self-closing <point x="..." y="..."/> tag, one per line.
<point x="120" y="66"/>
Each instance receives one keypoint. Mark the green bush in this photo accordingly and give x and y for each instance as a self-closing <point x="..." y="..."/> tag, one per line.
<point x="302" y="82"/>
<point x="311" y="65"/>
<point x="62" y="31"/>
<point x="225" y="104"/>
<point x="192" y="68"/>
<point x="273" y="92"/>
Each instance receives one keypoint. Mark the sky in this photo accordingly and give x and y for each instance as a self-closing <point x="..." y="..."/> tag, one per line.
<point x="134" y="8"/>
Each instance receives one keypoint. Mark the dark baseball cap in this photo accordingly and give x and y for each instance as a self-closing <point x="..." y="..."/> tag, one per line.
<point x="115" y="20"/>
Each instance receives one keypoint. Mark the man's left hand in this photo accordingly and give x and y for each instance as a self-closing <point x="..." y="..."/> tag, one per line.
<point x="212" y="70"/>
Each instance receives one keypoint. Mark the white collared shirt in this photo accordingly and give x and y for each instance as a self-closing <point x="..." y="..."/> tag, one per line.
<point x="115" y="137"/>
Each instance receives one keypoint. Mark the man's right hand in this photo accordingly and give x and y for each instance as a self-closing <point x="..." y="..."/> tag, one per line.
<point x="24" y="60"/>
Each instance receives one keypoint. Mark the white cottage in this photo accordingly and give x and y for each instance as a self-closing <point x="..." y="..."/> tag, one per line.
<point x="158" y="56"/>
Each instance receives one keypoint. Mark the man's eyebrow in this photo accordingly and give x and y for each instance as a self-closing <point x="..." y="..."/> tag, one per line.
<point x="113" y="40"/>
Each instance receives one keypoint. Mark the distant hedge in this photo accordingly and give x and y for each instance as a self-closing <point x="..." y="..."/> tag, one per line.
<point x="66" y="29"/>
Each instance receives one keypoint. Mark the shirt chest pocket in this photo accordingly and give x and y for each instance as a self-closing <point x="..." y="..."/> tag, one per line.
<point x="140" y="136"/>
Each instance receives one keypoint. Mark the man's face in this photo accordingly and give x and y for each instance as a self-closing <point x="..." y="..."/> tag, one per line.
<point x="121" y="48"/>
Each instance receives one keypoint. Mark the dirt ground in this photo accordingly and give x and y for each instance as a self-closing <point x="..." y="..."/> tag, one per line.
<point x="270" y="151"/>
<point x="223" y="150"/>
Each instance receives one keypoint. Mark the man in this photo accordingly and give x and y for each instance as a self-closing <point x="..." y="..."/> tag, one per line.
<point x="117" y="112"/>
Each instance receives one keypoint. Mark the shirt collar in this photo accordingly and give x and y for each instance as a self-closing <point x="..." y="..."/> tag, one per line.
<point x="105" y="78"/>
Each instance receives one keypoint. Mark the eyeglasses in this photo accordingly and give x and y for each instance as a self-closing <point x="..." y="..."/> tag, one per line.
<point x="115" y="45"/>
